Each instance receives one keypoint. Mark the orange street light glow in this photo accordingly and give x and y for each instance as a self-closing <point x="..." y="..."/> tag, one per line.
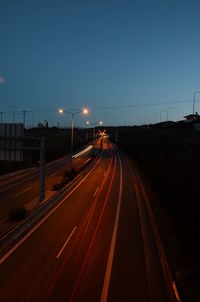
<point x="85" y="111"/>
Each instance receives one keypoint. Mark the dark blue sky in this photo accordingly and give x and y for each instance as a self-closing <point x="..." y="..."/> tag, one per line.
<point x="99" y="53"/>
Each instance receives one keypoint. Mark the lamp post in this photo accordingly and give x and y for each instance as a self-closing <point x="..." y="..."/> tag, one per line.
<point x="24" y="117"/>
<point x="1" y="113"/>
<point x="13" y="111"/>
<point x="94" y="124"/>
<point x="84" y="112"/>
<point x="194" y="100"/>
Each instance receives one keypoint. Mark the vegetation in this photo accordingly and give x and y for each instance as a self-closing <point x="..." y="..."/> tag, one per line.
<point x="170" y="160"/>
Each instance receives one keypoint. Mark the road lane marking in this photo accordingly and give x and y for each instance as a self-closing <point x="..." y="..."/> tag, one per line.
<point x="104" y="174"/>
<point x="141" y="195"/>
<point x="50" y="289"/>
<point x="54" y="174"/>
<point x="96" y="192"/>
<point x="20" y="193"/>
<point x="35" y="175"/>
<point x="20" y="242"/>
<point x="66" y="242"/>
<point x="18" y="183"/>
<point x="106" y="283"/>
<point x="93" y="238"/>
<point x="3" y="220"/>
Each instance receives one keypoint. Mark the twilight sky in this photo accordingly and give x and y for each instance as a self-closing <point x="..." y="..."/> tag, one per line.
<point x="99" y="53"/>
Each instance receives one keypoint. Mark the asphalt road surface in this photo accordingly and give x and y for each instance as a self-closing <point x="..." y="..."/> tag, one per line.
<point x="91" y="247"/>
<point x="22" y="188"/>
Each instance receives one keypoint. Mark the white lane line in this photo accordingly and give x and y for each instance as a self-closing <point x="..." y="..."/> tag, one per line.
<point x="20" y="242"/>
<point x="17" y="183"/>
<point x="95" y="193"/>
<point x="3" y="220"/>
<point x="104" y="174"/>
<point x="106" y="283"/>
<point x="25" y="190"/>
<point x="66" y="242"/>
<point x="54" y="174"/>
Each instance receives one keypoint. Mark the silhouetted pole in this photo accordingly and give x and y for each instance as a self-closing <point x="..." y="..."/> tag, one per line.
<point x="72" y="141"/>
<point x="194" y="100"/>
<point x="1" y="116"/>
<point x="42" y="169"/>
<point x="24" y="117"/>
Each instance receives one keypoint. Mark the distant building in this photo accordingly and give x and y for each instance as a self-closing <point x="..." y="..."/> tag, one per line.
<point x="191" y="118"/>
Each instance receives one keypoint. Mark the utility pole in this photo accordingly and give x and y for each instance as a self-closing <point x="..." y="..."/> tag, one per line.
<point x="13" y="111"/>
<point x="33" y="119"/>
<point x="194" y="100"/>
<point x="42" y="169"/>
<point x="72" y="141"/>
<point x="24" y="114"/>
<point x="1" y="116"/>
<point x="116" y="136"/>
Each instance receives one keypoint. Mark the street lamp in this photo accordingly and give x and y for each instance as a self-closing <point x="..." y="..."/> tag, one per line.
<point x="1" y="113"/>
<point x="13" y="111"/>
<point x="94" y="125"/>
<point x="84" y="112"/>
<point x="194" y="100"/>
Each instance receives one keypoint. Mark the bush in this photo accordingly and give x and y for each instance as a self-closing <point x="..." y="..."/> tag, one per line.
<point x="17" y="213"/>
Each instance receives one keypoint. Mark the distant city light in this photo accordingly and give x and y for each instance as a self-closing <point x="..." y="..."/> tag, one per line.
<point x="60" y="110"/>
<point x="85" y="111"/>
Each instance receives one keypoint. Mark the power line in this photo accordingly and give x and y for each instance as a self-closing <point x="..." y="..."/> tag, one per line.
<point x="140" y="105"/>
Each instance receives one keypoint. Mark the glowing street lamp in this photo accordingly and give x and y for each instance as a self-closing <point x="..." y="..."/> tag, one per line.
<point x="60" y="110"/>
<point x="94" y="124"/>
<point x="84" y="111"/>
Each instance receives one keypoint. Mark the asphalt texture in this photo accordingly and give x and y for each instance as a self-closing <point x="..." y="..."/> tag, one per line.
<point x="91" y="248"/>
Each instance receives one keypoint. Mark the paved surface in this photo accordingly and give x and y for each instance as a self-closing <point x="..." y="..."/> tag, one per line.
<point x="91" y="248"/>
<point x="21" y="189"/>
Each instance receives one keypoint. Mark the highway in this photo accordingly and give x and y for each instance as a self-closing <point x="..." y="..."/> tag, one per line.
<point x="93" y="246"/>
<point x="23" y="188"/>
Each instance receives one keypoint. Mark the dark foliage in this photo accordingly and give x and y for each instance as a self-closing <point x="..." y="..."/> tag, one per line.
<point x="170" y="158"/>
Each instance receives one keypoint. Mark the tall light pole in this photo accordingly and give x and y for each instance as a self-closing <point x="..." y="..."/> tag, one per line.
<point x="84" y="112"/>
<point x="33" y="119"/>
<point x="194" y="100"/>
<point x="1" y="116"/>
<point x="24" y="117"/>
<point x="94" y="125"/>
<point x="13" y="108"/>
